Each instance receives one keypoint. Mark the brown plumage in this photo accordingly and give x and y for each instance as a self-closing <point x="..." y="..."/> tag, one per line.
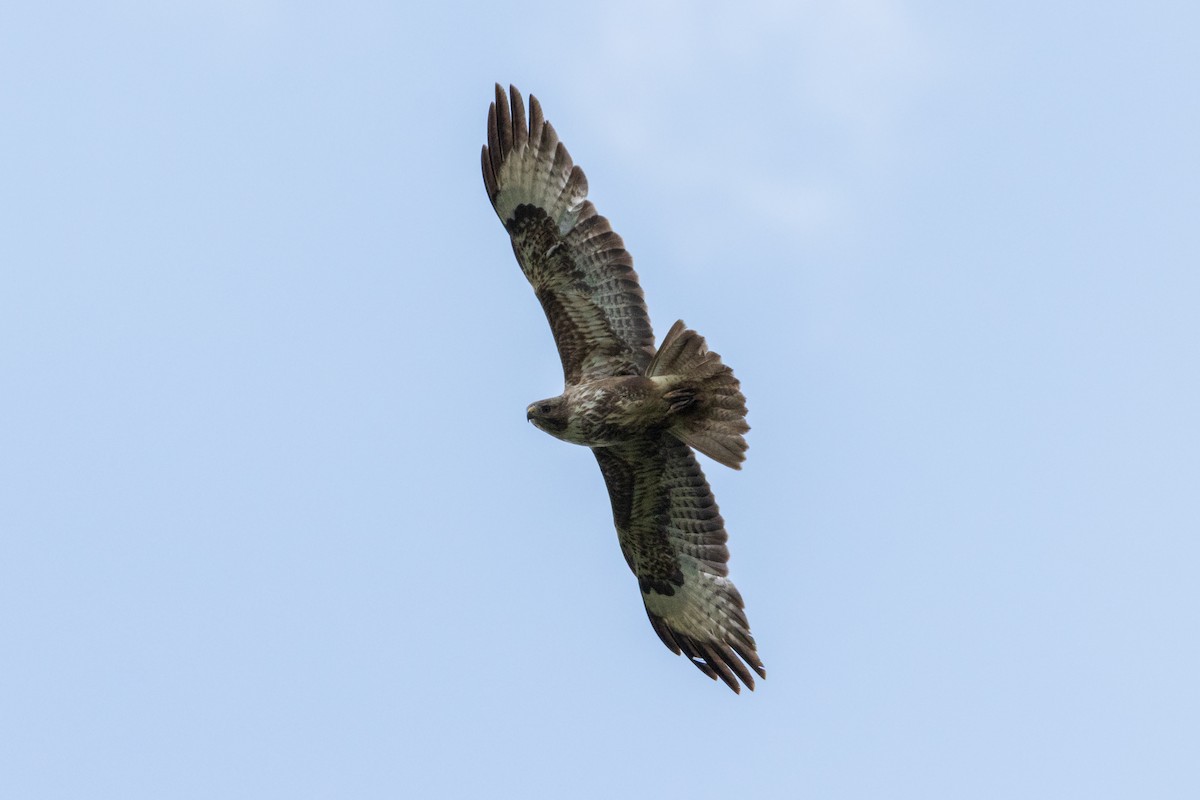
<point x="640" y="410"/>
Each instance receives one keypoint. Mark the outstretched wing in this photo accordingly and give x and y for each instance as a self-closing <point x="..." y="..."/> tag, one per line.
<point x="577" y="265"/>
<point x="673" y="538"/>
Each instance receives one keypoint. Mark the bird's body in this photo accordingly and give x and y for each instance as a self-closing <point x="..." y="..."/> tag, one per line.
<point x="640" y="409"/>
<point x="603" y="412"/>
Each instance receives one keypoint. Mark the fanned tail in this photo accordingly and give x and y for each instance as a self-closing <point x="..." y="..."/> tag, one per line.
<point x="706" y="400"/>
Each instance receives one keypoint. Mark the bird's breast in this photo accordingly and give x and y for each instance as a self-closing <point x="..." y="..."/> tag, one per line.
<point x="610" y="411"/>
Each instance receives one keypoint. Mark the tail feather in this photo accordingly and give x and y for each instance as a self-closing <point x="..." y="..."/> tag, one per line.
<point x="705" y="398"/>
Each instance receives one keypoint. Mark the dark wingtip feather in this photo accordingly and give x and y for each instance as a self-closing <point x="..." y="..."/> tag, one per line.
<point x="717" y="661"/>
<point x="714" y="659"/>
<point x="520" y="129"/>
<point x="536" y="119"/>
<point x="504" y="132"/>
<point x="495" y="154"/>
<point x="489" y="175"/>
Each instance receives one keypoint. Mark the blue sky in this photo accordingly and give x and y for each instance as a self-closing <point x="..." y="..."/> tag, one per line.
<point x="274" y="524"/>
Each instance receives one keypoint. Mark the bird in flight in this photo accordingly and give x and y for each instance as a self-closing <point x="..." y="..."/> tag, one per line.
<point x="641" y="410"/>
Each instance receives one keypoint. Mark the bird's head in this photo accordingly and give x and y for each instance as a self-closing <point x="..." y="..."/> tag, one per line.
<point x="548" y="415"/>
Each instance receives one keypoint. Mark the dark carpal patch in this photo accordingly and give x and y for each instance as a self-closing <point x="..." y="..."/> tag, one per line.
<point x="663" y="586"/>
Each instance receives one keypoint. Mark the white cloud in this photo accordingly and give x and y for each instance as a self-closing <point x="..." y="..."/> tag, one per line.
<point x="234" y="18"/>
<point x="856" y="60"/>
<point x="768" y="105"/>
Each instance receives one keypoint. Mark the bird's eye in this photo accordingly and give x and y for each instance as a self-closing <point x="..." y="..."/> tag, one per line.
<point x="544" y="408"/>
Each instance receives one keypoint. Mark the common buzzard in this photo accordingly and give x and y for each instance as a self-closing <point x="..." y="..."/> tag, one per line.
<point x="639" y="409"/>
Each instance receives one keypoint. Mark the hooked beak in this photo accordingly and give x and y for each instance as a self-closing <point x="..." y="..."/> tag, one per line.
<point x="529" y="413"/>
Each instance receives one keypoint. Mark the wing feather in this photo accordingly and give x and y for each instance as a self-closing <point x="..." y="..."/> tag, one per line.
<point x="673" y="538"/>
<point x="577" y="265"/>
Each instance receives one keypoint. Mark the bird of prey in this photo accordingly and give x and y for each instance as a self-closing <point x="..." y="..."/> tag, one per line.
<point x="641" y="410"/>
